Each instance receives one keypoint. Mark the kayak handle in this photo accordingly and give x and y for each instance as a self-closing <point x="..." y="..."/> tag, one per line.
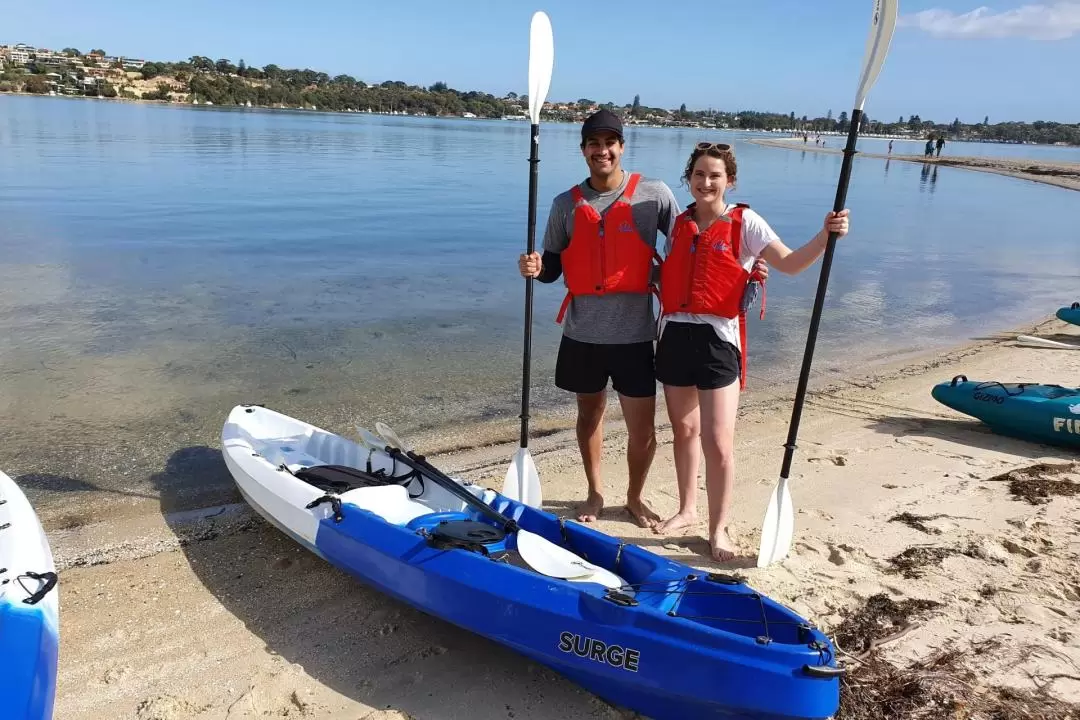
<point x="960" y="378"/>
<point x="50" y="582"/>
<point x="824" y="671"/>
<point x="1075" y="306"/>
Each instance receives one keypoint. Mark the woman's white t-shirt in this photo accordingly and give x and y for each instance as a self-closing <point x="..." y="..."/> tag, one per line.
<point x="756" y="236"/>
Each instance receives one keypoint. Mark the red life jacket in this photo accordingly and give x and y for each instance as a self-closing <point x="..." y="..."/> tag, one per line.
<point x="703" y="274"/>
<point x="606" y="254"/>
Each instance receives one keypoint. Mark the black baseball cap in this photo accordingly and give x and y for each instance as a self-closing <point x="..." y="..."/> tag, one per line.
<point x="600" y="121"/>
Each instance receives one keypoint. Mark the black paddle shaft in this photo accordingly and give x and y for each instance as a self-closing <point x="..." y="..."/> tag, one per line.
<point x="420" y="464"/>
<point x="819" y="301"/>
<point x="526" y="362"/>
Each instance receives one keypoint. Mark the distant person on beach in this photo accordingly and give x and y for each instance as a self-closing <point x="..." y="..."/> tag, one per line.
<point x="940" y="144"/>
<point x="701" y="352"/>
<point x="890" y="147"/>
<point x="929" y="150"/>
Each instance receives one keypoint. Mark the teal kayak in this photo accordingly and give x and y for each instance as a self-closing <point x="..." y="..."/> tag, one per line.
<point x="1070" y="314"/>
<point x="1030" y="411"/>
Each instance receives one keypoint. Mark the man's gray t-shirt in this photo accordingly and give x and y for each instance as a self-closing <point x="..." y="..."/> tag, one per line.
<point x="617" y="317"/>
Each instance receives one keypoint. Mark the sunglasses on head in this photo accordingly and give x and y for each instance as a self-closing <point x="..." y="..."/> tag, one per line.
<point x="706" y="146"/>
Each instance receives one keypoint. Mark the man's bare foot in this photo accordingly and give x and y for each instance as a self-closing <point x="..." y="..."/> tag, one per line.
<point x="590" y="510"/>
<point x="723" y="550"/>
<point x="642" y="513"/>
<point x="676" y="522"/>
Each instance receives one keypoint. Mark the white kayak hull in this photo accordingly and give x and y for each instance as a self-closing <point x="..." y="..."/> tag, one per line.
<point x="29" y="610"/>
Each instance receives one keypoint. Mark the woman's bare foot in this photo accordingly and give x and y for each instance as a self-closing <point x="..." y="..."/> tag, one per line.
<point x="676" y="522"/>
<point x="723" y="550"/>
<point x="590" y="510"/>
<point x="642" y="513"/>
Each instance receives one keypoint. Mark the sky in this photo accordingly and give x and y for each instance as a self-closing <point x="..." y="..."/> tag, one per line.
<point x="949" y="58"/>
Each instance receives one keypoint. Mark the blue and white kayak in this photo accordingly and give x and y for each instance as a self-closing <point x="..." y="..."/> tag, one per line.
<point x="29" y="610"/>
<point x="1029" y="411"/>
<point x="1070" y="314"/>
<point x="641" y="631"/>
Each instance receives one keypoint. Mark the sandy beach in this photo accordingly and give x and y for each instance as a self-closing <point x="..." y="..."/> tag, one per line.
<point x="920" y="536"/>
<point x="1059" y="174"/>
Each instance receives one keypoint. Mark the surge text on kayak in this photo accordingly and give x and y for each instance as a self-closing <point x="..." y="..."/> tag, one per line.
<point x="598" y="650"/>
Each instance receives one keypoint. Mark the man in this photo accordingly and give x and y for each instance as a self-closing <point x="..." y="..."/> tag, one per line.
<point x="601" y="234"/>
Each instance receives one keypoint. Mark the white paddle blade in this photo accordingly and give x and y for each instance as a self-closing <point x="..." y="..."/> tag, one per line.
<point x="541" y="62"/>
<point x="370" y="439"/>
<point x="882" y="25"/>
<point x="392" y="438"/>
<point x="1045" y="343"/>
<point x="522" y="482"/>
<point x="778" y="528"/>
<point x="547" y="558"/>
<point x="605" y="577"/>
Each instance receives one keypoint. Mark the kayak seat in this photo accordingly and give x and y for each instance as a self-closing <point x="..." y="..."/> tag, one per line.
<point x="390" y="502"/>
<point x="431" y="519"/>
<point x="288" y="451"/>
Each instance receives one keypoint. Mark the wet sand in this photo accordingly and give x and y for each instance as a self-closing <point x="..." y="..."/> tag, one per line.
<point x="1060" y="174"/>
<point x="169" y="611"/>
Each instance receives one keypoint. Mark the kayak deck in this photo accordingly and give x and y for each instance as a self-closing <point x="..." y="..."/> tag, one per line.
<point x="715" y="601"/>
<point x="1039" y="412"/>
<point x="665" y="639"/>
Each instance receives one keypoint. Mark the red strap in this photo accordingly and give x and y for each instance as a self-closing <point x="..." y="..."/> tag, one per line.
<point x="742" y="351"/>
<point x="562" y="308"/>
<point x="575" y="192"/>
<point x="631" y="187"/>
<point x="736" y="240"/>
<point x="757" y="276"/>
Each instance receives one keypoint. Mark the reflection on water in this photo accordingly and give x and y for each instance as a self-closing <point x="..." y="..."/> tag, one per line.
<point x="928" y="176"/>
<point x="159" y="260"/>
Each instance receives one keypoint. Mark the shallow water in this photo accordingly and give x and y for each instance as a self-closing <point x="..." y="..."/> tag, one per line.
<point x="161" y="264"/>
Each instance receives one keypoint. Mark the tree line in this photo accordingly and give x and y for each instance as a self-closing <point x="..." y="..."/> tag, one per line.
<point x="1039" y="131"/>
<point x="222" y="82"/>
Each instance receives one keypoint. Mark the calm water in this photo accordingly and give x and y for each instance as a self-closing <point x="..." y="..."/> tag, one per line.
<point x="178" y="260"/>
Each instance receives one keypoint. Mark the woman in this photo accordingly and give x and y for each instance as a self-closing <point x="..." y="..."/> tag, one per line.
<point x="701" y="350"/>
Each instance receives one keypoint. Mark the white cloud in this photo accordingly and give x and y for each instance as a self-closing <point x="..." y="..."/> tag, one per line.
<point x="1036" y="22"/>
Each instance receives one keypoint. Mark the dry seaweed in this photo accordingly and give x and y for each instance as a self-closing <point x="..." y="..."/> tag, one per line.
<point x="941" y="686"/>
<point x="879" y="620"/>
<point x="918" y="521"/>
<point x="912" y="562"/>
<point x="1033" y="484"/>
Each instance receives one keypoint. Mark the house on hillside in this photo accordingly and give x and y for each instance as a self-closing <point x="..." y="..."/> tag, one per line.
<point x="20" y="54"/>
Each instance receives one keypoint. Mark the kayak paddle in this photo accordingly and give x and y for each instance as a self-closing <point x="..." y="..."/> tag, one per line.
<point x="1045" y="343"/>
<point x="538" y="552"/>
<point x="779" y="525"/>
<point x="522" y="482"/>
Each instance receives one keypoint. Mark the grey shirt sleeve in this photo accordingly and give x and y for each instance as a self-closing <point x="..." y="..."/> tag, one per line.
<point x="669" y="210"/>
<point x="556" y="235"/>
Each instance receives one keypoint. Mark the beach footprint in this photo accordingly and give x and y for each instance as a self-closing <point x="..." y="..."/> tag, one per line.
<point x="166" y="707"/>
<point x="391" y="714"/>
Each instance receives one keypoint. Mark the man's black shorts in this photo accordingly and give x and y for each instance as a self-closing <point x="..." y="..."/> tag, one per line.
<point x="693" y="355"/>
<point x="587" y="367"/>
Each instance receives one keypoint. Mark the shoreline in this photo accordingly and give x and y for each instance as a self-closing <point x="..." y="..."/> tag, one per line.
<point x="1059" y="174"/>
<point x="285" y="633"/>
<point x="766" y="141"/>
